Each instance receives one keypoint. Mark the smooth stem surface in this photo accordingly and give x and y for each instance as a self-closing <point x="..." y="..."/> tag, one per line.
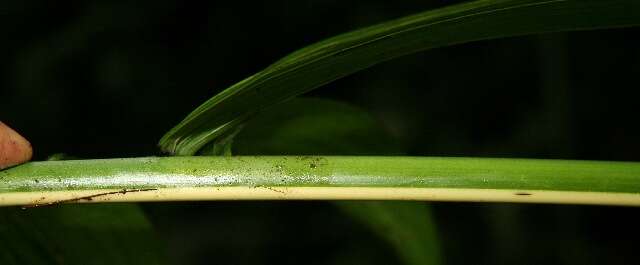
<point x="316" y="177"/>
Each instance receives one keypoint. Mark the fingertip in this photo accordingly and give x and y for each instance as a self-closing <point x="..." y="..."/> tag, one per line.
<point x="14" y="149"/>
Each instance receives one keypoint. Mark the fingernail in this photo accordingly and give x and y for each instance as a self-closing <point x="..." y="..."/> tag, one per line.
<point x="14" y="149"/>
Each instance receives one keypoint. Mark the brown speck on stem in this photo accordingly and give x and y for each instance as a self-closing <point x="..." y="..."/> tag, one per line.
<point x="85" y="198"/>
<point x="14" y="149"/>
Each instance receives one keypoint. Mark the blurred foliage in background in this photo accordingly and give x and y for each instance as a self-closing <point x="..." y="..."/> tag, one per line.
<point x="106" y="79"/>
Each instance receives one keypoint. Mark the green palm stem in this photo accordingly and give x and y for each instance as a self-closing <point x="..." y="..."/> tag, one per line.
<point x="322" y="178"/>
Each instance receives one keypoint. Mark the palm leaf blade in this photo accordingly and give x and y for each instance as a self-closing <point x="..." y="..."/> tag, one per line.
<point x="342" y="55"/>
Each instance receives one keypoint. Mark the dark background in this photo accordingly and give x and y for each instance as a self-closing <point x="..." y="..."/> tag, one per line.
<point x="106" y="79"/>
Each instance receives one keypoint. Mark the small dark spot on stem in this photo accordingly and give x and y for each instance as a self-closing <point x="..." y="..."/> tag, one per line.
<point x="273" y="189"/>
<point x="522" y="193"/>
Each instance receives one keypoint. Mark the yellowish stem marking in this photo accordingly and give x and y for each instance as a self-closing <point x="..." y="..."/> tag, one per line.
<point x="318" y="193"/>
